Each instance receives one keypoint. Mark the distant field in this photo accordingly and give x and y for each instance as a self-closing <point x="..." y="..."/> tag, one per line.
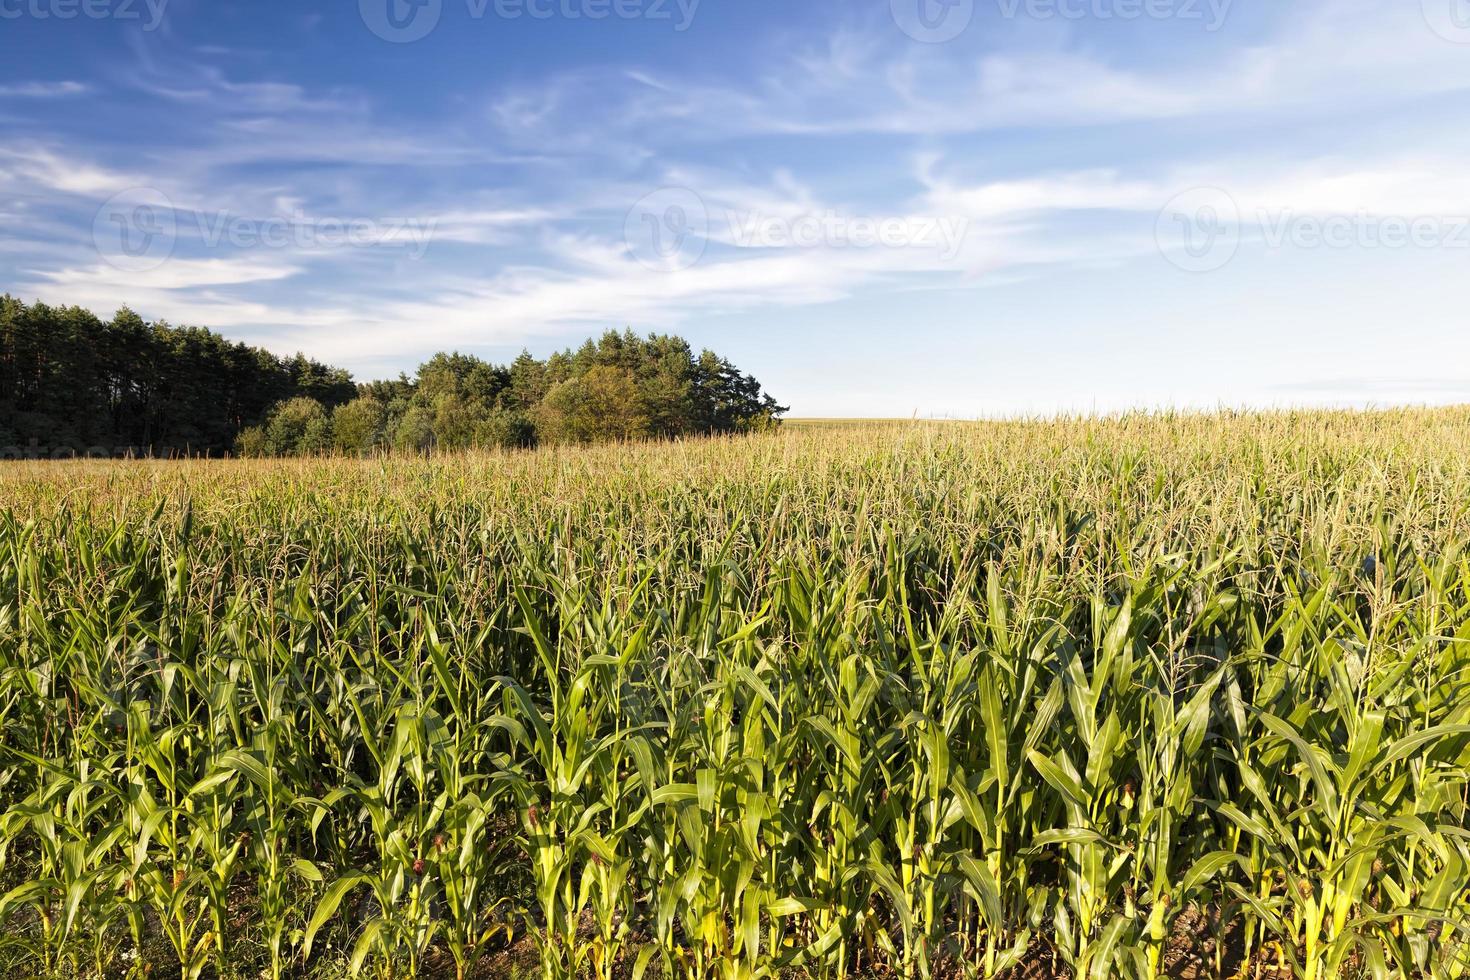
<point x="1148" y="696"/>
<point x="809" y="423"/>
<point x="851" y="423"/>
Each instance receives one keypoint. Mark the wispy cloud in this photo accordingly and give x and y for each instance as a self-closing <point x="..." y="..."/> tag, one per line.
<point x="866" y="81"/>
<point x="43" y="90"/>
<point x="40" y="168"/>
<point x="1049" y="152"/>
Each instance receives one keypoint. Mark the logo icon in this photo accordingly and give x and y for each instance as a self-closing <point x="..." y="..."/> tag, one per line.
<point x="668" y="230"/>
<point x="1199" y="231"/>
<point x="136" y="231"/>
<point x="401" y="21"/>
<point x="1450" y="19"/>
<point x="933" y="21"/>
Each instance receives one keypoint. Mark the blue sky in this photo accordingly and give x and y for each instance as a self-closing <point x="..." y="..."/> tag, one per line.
<point x="879" y="207"/>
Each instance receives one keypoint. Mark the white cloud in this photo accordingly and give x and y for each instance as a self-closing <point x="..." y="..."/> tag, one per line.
<point x="538" y="251"/>
<point x="43" y="90"/>
<point x="36" y="167"/>
<point x="1324" y="53"/>
<point x="174" y="274"/>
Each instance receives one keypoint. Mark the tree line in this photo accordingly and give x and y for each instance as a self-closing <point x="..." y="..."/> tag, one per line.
<point x="72" y="383"/>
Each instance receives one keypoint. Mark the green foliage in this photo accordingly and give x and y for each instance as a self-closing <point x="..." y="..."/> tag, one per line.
<point x="298" y="427"/>
<point x="620" y="388"/>
<point x="70" y="383"/>
<point x="505" y="429"/>
<point x="253" y="443"/>
<point x="360" y="426"/>
<point x="414" y="430"/>
<point x="883" y="700"/>
<point x="602" y="403"/>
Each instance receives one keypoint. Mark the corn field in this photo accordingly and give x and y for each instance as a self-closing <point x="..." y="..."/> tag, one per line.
<point x="1137" y="697"/>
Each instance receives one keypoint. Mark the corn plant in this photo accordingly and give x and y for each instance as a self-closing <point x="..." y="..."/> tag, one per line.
<point x="1106" y="697"/>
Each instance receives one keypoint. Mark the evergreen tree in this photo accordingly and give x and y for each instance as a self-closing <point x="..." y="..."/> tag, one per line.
<point x="70" y="382"/>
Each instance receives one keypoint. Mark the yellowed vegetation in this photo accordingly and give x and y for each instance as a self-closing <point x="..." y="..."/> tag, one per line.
<point x="920" y="698"/>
